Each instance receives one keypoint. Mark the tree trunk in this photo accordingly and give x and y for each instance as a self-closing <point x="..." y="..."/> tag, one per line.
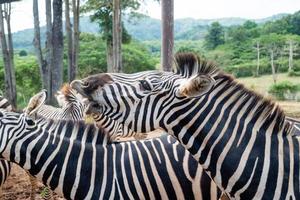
<point x="258" y="58"/>
<point x="273" y="66"/>
<point x="11" y="55"/>
<point x="167" y="12"/>
<point x="109" y="56"/>
<point x="57" y="42"/>
<point x="9" y="35"/>
<point x="10" y="82"/>
<point x="49" y="48"/>
<point x="43" y="65"/>
<point x="291" y="55"/>
<point x="117" y="37"/>
<point x="69" y="34"/>
<point x="76" y="33"/>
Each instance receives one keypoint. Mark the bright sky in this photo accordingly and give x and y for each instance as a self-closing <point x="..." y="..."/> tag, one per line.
<point x="200" y="9"/>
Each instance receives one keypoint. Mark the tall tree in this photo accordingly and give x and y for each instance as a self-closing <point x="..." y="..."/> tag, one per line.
<point x="49" y="46"/>
<point x="117" y="36"/>
<point x="51" y="65"/>
<point x="274" y="44"/>
<point x="102" y="13"/>
<point x="72" y="31"/>
<point x="7" y="52"/>
<point x="167" y="15"/>
<point x="76" y="33"/>
<point x="69" y="33"/>
<point x="43" y="64"/>
<point x="215" y="36"/>
<point x="57" y="42"/>
<point x="292" y="43"/>
<point x="257" y="48"/>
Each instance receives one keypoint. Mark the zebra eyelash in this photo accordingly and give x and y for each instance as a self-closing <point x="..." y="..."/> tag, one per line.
<point x="145" y="85"/>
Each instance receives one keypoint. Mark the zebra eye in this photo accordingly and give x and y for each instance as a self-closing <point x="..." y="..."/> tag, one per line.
<point x="145" y="85"/>
<point x="1" y="114"/>
<point x="86" y="84"/>
<point x="30" y="122"/>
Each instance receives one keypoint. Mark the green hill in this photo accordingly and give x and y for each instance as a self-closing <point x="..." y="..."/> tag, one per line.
<point x="145" y="28"/>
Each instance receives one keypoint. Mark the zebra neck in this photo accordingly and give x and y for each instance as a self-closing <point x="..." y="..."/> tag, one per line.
<point x="248" y="155"/>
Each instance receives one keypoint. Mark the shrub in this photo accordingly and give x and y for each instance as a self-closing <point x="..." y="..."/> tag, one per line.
<point x="23" y="53"/>
<point x="283" y="89"/>
<point x="241" y="70"/>
<point x="294" y="73"/>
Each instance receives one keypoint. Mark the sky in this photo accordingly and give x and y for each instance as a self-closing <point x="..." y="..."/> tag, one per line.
<point x="199" y="9"/>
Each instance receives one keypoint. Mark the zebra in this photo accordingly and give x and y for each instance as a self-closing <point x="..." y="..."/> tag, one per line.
<point x="70" y="108"/>
<point x="241" y="139"/>
<point x="73" y="107"/>
<point x="79" y="161"/>
<point x="113" y="129"/>
<point x="5" y="166"/>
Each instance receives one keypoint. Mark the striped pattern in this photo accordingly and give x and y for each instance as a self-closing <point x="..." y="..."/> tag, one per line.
<point x="78" y="161"/>
<point x="242" y="140"/>
<point x="71" y="108"/>
<point x="5" y="166"/>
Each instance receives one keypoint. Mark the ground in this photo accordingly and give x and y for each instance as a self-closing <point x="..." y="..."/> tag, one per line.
<point x="17" y="186"/>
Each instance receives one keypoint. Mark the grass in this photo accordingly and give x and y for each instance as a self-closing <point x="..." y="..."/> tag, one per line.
<point x="262" y="84"/>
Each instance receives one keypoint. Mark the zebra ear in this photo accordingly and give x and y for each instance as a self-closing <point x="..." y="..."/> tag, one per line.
<point x="36" y="102"/>
<point x="195" y="86"/>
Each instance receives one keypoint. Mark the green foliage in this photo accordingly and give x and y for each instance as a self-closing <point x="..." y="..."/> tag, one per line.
<point x="215" y="36"/>
<point x="23" y="53"/>
<point x="92" y="60"/>
<point x="92" y="57"/>
<point x="103" y="15"/>
<point x="137" y="58"/>
<point x="27" y="78"/>
<point x="280" y="90"/>
<point x="293" y="73"/>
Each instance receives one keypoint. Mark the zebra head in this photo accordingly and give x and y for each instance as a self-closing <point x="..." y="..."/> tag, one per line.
<point x="13" y="125"/>
<point x="142" y="100"/>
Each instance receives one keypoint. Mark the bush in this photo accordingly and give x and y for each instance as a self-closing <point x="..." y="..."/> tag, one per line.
<point x="293" y="73"/>
<point x="284" y="89"/>
<point x="23" y="53"/>
<point x="241" y="70"/>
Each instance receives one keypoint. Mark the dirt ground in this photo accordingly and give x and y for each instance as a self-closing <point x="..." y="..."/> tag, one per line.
<point x="17" y="187"/>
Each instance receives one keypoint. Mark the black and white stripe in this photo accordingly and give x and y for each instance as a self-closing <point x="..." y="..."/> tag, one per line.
<point x="5" y="166"/>
<point x="78" y="161"/>
<point x="242" y="140"/>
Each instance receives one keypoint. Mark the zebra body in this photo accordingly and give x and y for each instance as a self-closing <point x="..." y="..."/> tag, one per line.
<point x="242" y="140"/>
<point x="5" y="166"/>
<point x="79" y="162"/>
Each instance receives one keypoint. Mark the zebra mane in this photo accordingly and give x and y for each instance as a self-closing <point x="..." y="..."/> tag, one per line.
<point x="66" y="94"/>
<point x="189" y="64"/>
<point x="271" y="111"/>
<point x="83" y="128"/>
